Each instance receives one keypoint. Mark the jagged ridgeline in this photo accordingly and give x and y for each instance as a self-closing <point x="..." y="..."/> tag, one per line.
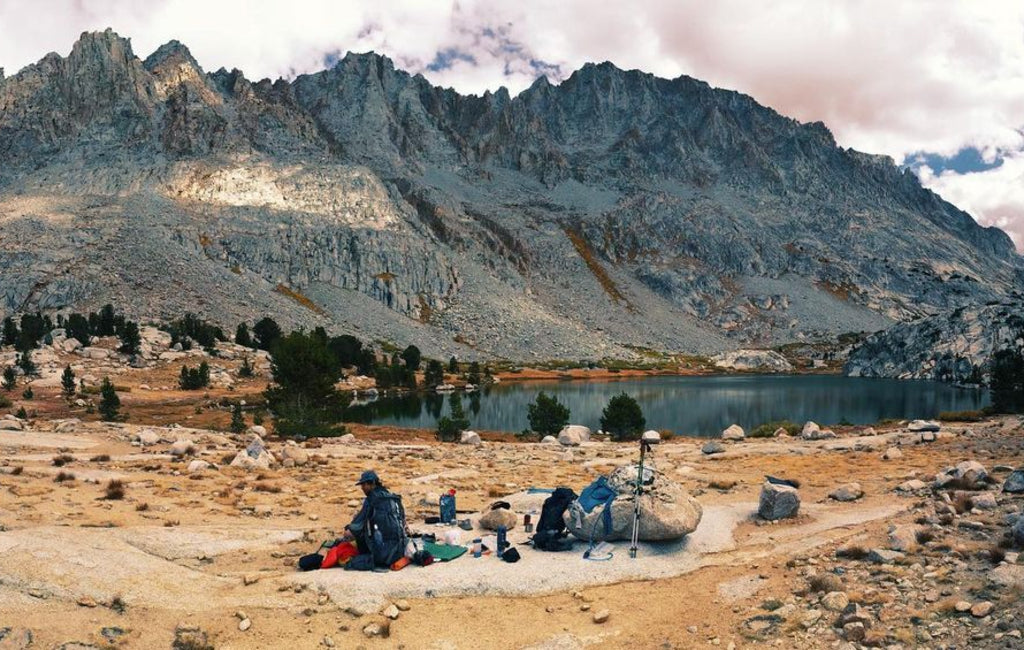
<point x="613" y="211"/>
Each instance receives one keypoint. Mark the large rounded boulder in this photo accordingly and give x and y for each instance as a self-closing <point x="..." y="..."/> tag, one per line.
<point x="667" y="511"/>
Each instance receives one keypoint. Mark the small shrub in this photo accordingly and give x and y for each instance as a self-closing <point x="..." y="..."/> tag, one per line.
<point x="117" y="604"/>
<point x="114" y="491"/>
<point x="63" y="477"/>
<point x="825" y="583"/>
<point x="5" y="402"/>
<point x="963" y="503"/>
<point x="141" y="507"/>
<point x="267" y="487"/>
<point x="102" y="458"/>
<point x="21" y="414"/>
<point x="767" y="430"/>
<point x="961" y="416"/>
<point x="28" y="393"/>
<point x="62" y="460"/>
<point x="996" y="555"/>
<point x="17" y="471"/>
<point x="924" y="536"/>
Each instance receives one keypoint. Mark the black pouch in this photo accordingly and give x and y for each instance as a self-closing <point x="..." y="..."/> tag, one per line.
<point x="510" y="556"/>
<point x="310" y="562"/>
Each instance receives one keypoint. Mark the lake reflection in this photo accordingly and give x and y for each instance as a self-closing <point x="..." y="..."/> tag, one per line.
<point x="697" y="406"/>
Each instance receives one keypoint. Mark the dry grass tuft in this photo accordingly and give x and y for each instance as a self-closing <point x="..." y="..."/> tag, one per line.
<point x="17" y="471"/>
<point x="62" y="460"/>
<point x="114" y="491"/>
<point x="825" y="583"/>
<point x="63" y="477"/>
<point x="267" y="487"/>
<point x="924" y="536"/>
<point x="102" y="458"/>
<point x="141" y="507"/>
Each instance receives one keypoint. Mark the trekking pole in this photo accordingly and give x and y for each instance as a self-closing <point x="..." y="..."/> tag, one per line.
<point x="638" y="489"/>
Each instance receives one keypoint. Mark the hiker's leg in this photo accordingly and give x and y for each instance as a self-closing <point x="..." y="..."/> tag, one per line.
<point x="361" y="544"/>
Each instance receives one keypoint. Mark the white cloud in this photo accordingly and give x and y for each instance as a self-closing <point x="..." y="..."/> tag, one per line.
<point x="995" y="197"/>
<point x="886" y="77"/>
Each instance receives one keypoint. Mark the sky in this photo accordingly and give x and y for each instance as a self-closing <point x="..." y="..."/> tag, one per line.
<point x="938" y="85"/>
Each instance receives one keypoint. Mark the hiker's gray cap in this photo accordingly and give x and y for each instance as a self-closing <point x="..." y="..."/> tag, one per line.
<point x="369" y="476"/>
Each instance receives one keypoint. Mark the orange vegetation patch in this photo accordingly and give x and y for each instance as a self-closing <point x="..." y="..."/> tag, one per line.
<point x="299" y="298"/>
<point x="595" y="267"/>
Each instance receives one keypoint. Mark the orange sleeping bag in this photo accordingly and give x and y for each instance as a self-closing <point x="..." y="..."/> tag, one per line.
<point x="339" y="555"/>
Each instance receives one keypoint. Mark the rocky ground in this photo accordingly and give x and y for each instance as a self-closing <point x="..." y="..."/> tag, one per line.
<point x="197" y="549"/>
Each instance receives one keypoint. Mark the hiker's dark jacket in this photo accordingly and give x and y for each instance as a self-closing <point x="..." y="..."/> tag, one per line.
<point x="379" y="527"/>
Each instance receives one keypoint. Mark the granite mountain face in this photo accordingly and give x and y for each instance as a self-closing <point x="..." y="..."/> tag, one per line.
<point x="613" y="211"/>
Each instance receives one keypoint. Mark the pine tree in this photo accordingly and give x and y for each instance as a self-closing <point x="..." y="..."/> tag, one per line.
<point x="547" y="415"/>
<point x="474" y="373"/>
<point x="242" y="336"/>
<point x="26" y="364"/>
<point x="622" y="418"/>
<point x="412" y="357"/>
<point x="453" y="366"/>
<point x="10" y="378"/>
<point x="237" y="421"/>
<point x="67" y="382"/>
<point x="110" y="403"/>
<point x="434" y="374"/>
<point x="10" y="332"/>
<point x="130" y="339"/>
<point x="245" y="370"/>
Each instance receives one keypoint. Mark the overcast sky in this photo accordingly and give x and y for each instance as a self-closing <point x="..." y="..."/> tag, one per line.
<point x="938" y="85"/>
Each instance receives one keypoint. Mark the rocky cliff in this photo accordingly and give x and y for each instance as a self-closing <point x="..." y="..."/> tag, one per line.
<point x="953" y="347"/>
<point x="613" y="211"/>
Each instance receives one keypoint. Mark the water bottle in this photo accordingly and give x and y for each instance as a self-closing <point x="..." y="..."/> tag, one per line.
<point x="502" y="540"/>
<point x="448" y="507"/>
<point x="478" y="547"/>
<point x="527" y="523"/>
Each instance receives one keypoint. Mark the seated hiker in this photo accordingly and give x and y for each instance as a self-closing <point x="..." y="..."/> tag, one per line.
<point x="379" y="529"/>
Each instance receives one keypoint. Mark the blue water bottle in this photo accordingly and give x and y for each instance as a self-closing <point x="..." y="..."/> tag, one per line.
<point x="448" y="507"/>
<point x="502" y="540"/>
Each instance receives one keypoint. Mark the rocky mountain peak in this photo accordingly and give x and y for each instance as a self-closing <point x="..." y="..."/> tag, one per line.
<point x="613" y="208"/>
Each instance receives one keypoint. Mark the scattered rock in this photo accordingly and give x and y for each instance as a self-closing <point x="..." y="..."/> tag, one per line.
<point x="848" y="492"/>
<point x="601" y="616"/>
<point x="892" y="453"/>
<point x="712" y="447"/>
<point x="1014" y="483"/>
<point x="470" y="438"/>
<point x="982" y="609"/>
<point x="549" y="440"/>
<point x="962" y="606"/>
<point x="778" y="502"/>
<point x="10" y="424"/>
<point x="968" y="475"/>
<point x="912" y="485"/>
<point x="183" y="447"/>
<point x="734" y="432"/>
<point x="573" y="435"/>
<point x="835" y="601"/>
<point x="391" y="611"/>
<point x="197" y="466"/>
<point x="403" y="605"/>
<point x="492" y="519"/>
<point x="296" y="454"/>
<point x="884" y="556"/>
<point x="375" y="629"/>
<point x="902" y="538"/>
<point x="923" y="425"/>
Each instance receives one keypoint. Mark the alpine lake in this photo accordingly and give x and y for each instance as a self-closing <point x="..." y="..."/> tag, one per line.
<point x="693" y="406"/>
